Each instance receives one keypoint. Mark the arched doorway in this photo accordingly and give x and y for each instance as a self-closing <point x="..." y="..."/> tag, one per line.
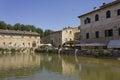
<point x="33" y="44"/>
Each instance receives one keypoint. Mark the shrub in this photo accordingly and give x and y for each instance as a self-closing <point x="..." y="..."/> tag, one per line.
<point x="107" y="53"/>
<point x="31" y="49"/>
<point x="96" y="53"/>
<point x="44" y="48"/>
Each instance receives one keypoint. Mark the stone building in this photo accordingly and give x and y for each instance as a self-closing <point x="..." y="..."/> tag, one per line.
<point x="77" y="36"/>
<point x="11" y="38"/>
<point x="59" y="37"/>
<point x="102" y="24"/>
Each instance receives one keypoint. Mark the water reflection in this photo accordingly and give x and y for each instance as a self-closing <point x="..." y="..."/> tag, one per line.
<point x="68" y="68"/>
<point x="57" y="67"/>
<point x="18" y="61"/>
<point x="18" y="65"/>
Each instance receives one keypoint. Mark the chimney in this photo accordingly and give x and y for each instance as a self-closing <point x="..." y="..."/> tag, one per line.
<point x="104" y="4"/>
<point x="94" y="8"/>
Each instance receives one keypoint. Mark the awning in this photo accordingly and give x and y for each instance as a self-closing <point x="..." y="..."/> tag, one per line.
<point x="71" y="42"/>
<point x="114" y="44"/>
<point x="92" y="44"/>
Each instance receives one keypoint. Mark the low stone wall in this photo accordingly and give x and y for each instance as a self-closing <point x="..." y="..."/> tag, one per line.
<point x="67" y="52"/>
<point x="98" y="53"/>
<point x="16" y="50"/>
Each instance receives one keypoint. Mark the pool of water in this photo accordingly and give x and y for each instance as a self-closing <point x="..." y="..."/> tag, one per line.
<point x="57" y="67"/>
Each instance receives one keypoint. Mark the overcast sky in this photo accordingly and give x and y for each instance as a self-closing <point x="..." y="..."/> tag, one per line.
<point x="46" y="14"/>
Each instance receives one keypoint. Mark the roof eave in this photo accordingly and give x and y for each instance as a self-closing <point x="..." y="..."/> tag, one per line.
<point x="101" y="7"/>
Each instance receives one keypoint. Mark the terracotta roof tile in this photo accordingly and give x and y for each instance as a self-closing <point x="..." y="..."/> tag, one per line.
<point x="18" y="32"/>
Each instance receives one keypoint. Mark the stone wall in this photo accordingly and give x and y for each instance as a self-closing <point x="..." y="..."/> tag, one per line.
<point x="103" y="24"/>
<point x="19" y="41"/>
<point x="59" y="37"/>
<point x="68" y="34"/>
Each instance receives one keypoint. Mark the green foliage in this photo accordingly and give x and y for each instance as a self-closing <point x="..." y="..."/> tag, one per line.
<point x="2" y="25"/>
<point x="47" y="32"/>
<point x="40" y="31"/>
<point x="13" y="51"/>
<point x="79" y="27"/>
<point x="107" y="53"/>
<point x="9" y="27"/>
<point x="2" y="50"/>
<point x="31" y="49"/>
<point x="17" y="26"/>
<point x="98" y="53"/>
<point x="44" y="48"/>
<point x="95" y="53"/>
<point x="22" y="27"/>
<point x="31" y="28"/>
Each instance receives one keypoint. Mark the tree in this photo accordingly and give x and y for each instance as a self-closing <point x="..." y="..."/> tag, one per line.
<point x="31" y="28"/>
<point x="78" y="27"/>
<point x="47" y="32"/>
<point x="17" y="26"/>
<point x="9" y="27"/>
<point x="2" y="25"/>
<point x="24" y="28"/>
<point x="40" y="31"/>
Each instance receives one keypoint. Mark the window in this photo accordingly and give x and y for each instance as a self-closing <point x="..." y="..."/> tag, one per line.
<point x="118" y="12"/>
<point x="108" y="14"/>
<point x="87" y="20"/>
<point x="97" y="34"/>
<point x="108" y="33"/>
<point x="29" y="44"/>
<point x="23" y="44"/>
<point x="70" y="32"/>
<point x="87" y="35"/>
<point x="96" y="17"/>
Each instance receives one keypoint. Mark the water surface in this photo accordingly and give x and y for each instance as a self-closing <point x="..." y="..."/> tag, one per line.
<point x="57" y="67"/>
